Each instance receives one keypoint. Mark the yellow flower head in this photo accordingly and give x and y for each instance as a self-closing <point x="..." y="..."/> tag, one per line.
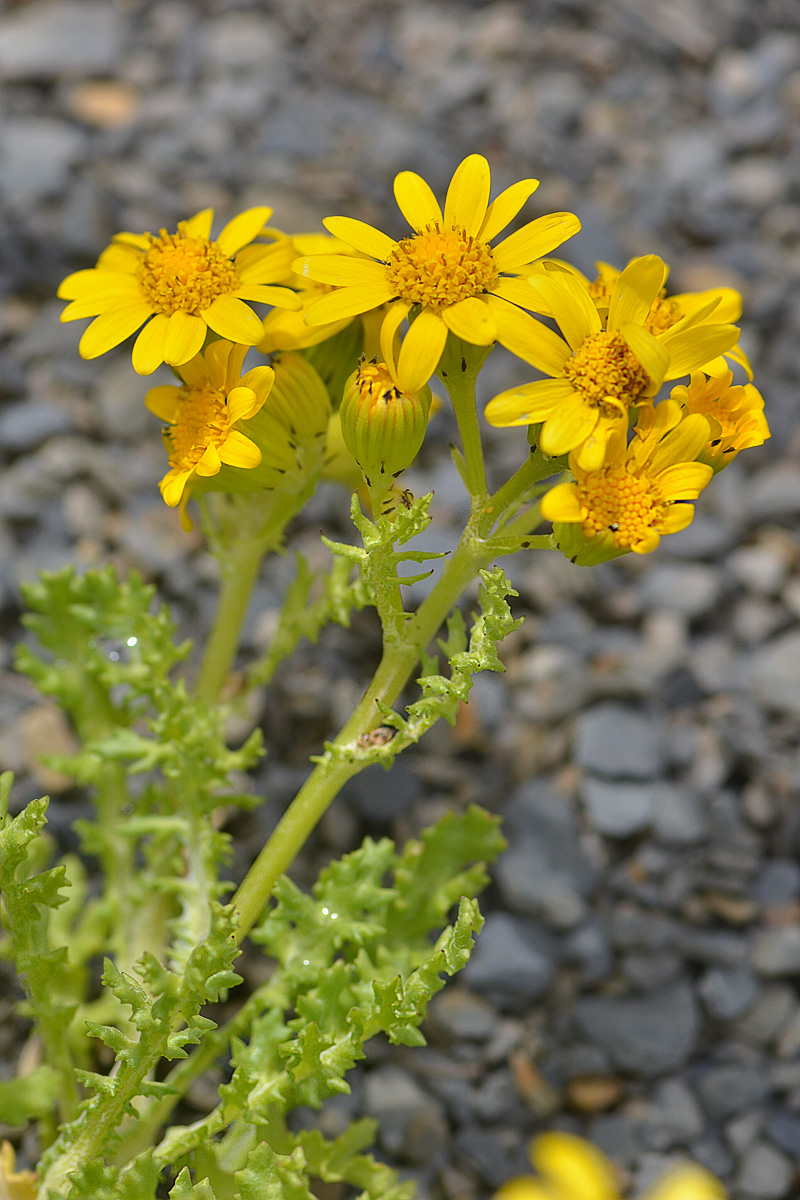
<point x="735" y="414"/>
<point x="382" y="426"/>
<point x="447" y="267"/>
<point x="607" y="366"/>
<point x="182" y="284"/>
<point x="202" y="416"/>
<point x="722" y="304"/>
<point x="15" y="1185"/>
<point x="638" y="494"/>
<point x="568" y="1168"/>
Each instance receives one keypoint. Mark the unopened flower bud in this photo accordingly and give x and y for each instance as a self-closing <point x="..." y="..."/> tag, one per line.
<point x="299" y="399"/>
<point x="382" y="426"/>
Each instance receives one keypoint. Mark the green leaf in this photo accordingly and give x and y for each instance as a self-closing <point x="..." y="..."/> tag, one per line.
<point x="28" y="1096"/>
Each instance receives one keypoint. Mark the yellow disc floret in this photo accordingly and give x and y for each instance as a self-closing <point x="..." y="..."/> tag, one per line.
<point x="185" y="274"/>
<point x="440" y="267"/>
<point x="626" y="505"/>
<point x="607" y="373"/>
<point x="200" y="421"/>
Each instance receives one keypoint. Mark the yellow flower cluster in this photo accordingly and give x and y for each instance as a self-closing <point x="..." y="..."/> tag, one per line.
<point x="568" y="1168"/>
<point x="636" y="462"/>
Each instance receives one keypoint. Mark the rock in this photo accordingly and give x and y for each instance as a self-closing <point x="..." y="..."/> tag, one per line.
<point x="775" y="674"/>
<point x="728" y="992"/>
<point x="545" y="871"/>
<point x="403" y="1110"/>
<point x="761" y="568"/>
<point x="774" y="491"/>
<point x="380" y="799"/>
<point x="509" y="960"/>
<point x="459" y="1014"/>
<point x="57" y="38"/>
<point x="784" y="1130"/>
<point x="765" y="1173"/>
<point x="35" y="156"/>
<point x="687" y="588"/>
<point x="594" y="1093"/>
<point x="679" y="817"/>
<point x="26" y="425"/>
<point x="777" y="882"/>
<point x="618" y="743"/>
<point x="776" y="952"/>
<point x="588" y="947"/>
<point x="788" y="1044"/>
<point x="485" y="1153"/>
<point x="647" y="1035"/>
<point x="741" y="1132"/>
<point x="675" y="1116"/>
<point x="768" y="1015"/>
<point x="728" y="1089"/>
<point x="617" y="809"/>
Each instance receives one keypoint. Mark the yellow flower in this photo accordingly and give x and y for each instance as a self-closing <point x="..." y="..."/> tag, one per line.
<point x="604" y="368"/>
<point x="721" y="304"/>
<point x="447" y="269"/>
<point x="735" y="414"/>
<point x="186" y="282"/>
<point x="202" y="416"/>
<point x="638" y="494"/>
<point x="569" y="1168"/>
<point x="15" y="1185"/>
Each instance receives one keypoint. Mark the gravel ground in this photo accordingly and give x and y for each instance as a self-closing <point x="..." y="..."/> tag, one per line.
<point x="637" y="979"/>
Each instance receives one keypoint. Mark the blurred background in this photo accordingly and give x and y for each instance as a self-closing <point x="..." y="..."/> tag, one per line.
<point x="637" y="979"/>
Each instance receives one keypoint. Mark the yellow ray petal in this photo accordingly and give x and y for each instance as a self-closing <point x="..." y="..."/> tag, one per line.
<point x="262" y="293"/>
<point x="199" y="226"/>
<point x="210" y="463"/>
<point x="260" y="380"/>
<point x="528" y="404"/>
<point x="124" y="260"/>
<point x="243" y="229"/>
<point x="531" y="341"/>
<point x="682" y="443"/>
<point x="650" y="352"/>
<point x="83" y="283"/>
<point x="348" y="302"/>
<point x="634" y="291"/>
<point x="233" y="319"/>
<point x="164" y="401"/>
<point x="595" y="450"/>
<point x="388" y="336"/>
<point x="361" y="236"/>
<point x="571" y="423"/>
<point x="577" y="1167"/>
<point x="690" y="349"/>
<point x="727" y="310"/>
<point x="421" y="350"/>
<point x="519" y="291"/>
<point x="148" y="349"/>
<point x="217" y="355"/>
<point x="184" y="337"/>
<point x="570" y="304"/>
<point x="112" y="327"/>
<point x="172" y="486"/>
<point x="561" y="503"/>
<point x="139" y="241"/>
<point x="684" y="481"/>
<point x="505" y="207"/>
<point x="239" y="451"/>
<point x="524" y="1188"/>
<point x="534" y="240"/>
<point x="677" y="517"/>
<point x="468" y="195"/>
<point x="416" y="201"/>
<point x="99" y="301"/>
<point x="242" y="403"/>
<point x="341" y="270"/>
<point x="471" y="319"/>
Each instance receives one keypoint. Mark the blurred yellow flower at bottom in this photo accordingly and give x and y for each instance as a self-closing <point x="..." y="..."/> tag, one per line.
<point x="15" y="1185"/>
<point x="569" y="1168"/>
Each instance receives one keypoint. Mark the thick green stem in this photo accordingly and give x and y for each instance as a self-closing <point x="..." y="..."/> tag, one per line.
<point x="238" y="572"/>
<point x="330" y="775"/>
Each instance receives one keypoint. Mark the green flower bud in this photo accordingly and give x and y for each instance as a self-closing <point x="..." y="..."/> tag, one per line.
<point x="299" y="399"/>
<point x="383" y="427"/>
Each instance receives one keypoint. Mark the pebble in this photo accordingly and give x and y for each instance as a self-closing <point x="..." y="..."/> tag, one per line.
<point x="26" y="425"/>
<point x="776" y="952"/>
<point x="777" y="882"/>
<point x="601" y="749"/>
<point x="775" y="674"/>
<point x="56" y="38"/>
<point x="510" y="960"/>
<point x="646" y="1035"/>
<point x="687" y="588"/>
<point x="36" y="155"/>
<point x="459" y="1014"/>
<point x="765" y="1173"/>
<point x="729" y="1089"/>
<point x="409" y="1119"/>
<point x="728" y="992"/>
<point x="675" y="1117"/>
<point x="617" y="810"/>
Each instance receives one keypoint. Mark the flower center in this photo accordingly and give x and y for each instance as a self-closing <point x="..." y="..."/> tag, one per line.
<point x="627" y="505"/>
<point x="185" y="274"/>
<point x="375" y="385"/>
<point x="201" y="420"/>
<point x="663" y="313"/>
<point x="439" y="267"/>
<point x="607" y="373"/>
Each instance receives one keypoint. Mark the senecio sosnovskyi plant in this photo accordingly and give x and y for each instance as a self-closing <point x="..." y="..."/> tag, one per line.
<point x="332" y="383"/>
